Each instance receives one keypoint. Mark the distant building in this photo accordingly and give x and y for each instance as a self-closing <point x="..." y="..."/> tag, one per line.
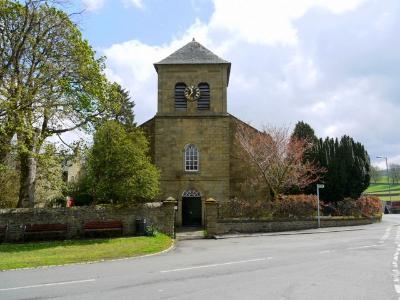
<point x="72" y="170"/>
<point x="192" y="136"/>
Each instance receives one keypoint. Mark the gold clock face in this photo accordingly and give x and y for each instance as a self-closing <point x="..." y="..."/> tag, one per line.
<point x="192" y="93"/>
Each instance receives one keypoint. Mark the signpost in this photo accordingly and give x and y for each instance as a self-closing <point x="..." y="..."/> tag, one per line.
<point x="319" y="186"/>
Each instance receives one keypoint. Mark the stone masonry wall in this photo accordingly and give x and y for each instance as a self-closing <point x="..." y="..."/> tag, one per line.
<point x="211" y="136"/>
<point x="160" y="215"/>
<point x="227" y="226"/>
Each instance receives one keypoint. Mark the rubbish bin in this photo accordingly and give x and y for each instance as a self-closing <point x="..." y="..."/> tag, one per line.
<point x="140" y="226"/>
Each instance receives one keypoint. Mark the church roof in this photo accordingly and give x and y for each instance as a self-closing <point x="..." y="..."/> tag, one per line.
<point x="192" y="53"/>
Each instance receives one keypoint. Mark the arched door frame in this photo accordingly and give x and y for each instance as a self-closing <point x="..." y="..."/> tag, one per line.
<point x="192" y="208"/>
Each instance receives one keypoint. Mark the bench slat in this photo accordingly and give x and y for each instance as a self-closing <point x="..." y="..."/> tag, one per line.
<point x="94" y="225"/>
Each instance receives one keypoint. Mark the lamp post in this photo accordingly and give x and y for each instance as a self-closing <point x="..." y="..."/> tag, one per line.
<point x="319" y="186"/>
<point x="387" y="174"/>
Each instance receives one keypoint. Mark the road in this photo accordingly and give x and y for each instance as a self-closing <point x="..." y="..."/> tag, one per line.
<point x="358" y="263"/>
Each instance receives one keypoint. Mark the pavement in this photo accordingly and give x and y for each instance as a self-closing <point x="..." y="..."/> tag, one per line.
<point x="342" y="263"/>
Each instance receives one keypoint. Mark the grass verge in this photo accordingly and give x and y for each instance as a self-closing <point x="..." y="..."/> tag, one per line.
<point x="13" y="256"/>
<point x="382" y="191"/>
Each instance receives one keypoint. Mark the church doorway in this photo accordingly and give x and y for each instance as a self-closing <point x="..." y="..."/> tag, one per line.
<point x="191" y="208"/>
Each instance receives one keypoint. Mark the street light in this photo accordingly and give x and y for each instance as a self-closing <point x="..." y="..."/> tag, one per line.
<point x="387" y="175"/>
<point x="319" y="186"/>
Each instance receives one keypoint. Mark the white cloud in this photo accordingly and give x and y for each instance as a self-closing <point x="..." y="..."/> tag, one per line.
<point x="324" y="62"/>
<point x="269" y="21"/>
<point x="92" y="5"/>
<point x="136" y="3"/>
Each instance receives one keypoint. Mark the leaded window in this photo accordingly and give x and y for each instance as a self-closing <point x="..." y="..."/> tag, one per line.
<point x="203" y="103"/>
<point x="191" y="158"/>
<point x="180" y="100"/>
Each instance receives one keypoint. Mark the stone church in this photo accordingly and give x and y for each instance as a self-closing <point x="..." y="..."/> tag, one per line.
<point x="192" y="136"/>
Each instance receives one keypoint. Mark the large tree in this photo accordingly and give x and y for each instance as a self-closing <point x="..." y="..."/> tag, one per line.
<point x="345" y="161"/>
<point x="374" y="173"/>
<point x="303" y="131"/>
<point x="348" y="168"/>
<point x="119" y="168"/>
<point x="50" y="83"/>
<point x="278" y="157"/>
<point x="394" y="173"/>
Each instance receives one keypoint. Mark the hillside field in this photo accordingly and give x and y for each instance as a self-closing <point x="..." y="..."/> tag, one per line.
<point x="381" y="189"/>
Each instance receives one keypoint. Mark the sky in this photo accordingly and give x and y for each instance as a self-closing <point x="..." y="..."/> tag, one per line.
<point x="335" y="64"/>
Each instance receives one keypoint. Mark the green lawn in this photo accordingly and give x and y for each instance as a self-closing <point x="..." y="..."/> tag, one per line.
<point x="14" y="256"/>
<point x="381" y="189"/>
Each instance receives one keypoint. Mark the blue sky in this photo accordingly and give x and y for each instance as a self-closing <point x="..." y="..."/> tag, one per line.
<point x="334" y="64"/>
<point x="154" y="22"/>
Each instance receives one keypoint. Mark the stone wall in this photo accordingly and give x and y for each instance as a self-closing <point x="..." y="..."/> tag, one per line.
<point x="227" y="226"/>
<point x="161" y="215"/>
<point x="210" y="134"/>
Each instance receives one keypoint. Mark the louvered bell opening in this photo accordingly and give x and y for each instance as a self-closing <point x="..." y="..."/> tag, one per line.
<point x="180" y="100"/>
<point x="204" y="101"/>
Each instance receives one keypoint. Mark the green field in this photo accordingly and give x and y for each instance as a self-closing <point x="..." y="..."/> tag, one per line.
<point x="381" y="189"/>
<point x="14" y="256"/>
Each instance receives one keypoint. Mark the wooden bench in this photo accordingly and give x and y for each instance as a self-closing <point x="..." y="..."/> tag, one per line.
<point x="3" y="231"/>
<point x="103" y="228"/>
<point x="45" y="231"/>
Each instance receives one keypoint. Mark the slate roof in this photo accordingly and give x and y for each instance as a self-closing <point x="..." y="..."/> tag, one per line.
<point x="192" y="53"/>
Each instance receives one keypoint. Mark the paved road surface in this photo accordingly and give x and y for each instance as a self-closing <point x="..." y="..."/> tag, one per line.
<point x="361" y="263"/>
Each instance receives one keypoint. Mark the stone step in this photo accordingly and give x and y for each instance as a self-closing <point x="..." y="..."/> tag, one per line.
<point x="189" y="234"/>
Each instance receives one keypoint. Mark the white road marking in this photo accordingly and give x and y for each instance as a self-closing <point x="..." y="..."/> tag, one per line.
<point x="397" y="288"/>
<point x="395" y="264"/>
<point x="217" y="265"/>
<point x="326" y="251"/>
<point x="385" y="235"/>
<point x="362" y="247"/>
<point x="47" y="284"/>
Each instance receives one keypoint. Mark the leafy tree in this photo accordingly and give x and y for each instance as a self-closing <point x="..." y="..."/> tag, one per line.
<point x="49" y="184"/>
<point x="119" y="168"/>
<point x="394" y="173"/>
<point x="50" y="83"/>
<point x="347" y="164"/>
<point x="345" y="161"/>
<point x="122" y="111"/>
<point x="278" y="157"/>
<point x="9" y="186"/>
<point x="374" y="173"/>
<point x="303" y="131"/>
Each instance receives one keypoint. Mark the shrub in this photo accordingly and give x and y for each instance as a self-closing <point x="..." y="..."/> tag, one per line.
<point x="286" y="206"/>
<point x="369" y="205"/>
<point x="239" y="208"/>
<point x="59" y="201"/>
<point x="348" y="207"/>
<point x="119" y="168"/>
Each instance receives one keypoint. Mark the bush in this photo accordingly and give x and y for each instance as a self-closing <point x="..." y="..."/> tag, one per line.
<point x="348" y="207"/>
<point x="59" y="201"/>
<point x="119" y="167"/>
<point x="239" y="208"/>
<point x="369" y="206"/>
<point x="287" y="206"/>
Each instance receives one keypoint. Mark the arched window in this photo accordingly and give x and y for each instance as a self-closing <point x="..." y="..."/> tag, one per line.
<point x="180" y="100"/>
<point x="204" y="101"/>
<point x="191" y="158"/>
